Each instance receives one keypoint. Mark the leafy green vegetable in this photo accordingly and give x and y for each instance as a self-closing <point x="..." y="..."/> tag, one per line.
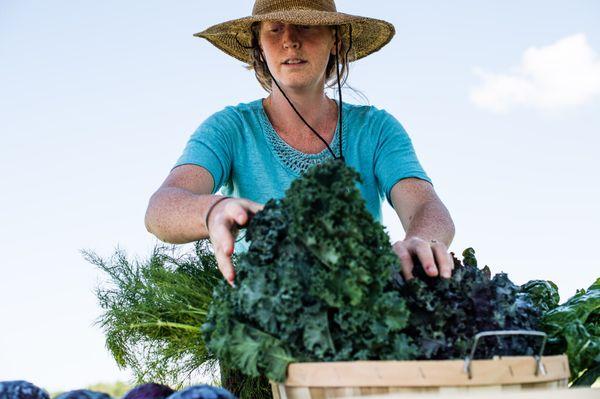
<point x="544" y="294"/>
<point x="574" y="328"/>
<point x="314" y="284"/>
<point x="320" y="282"/>
<point x="153" y="310"/>
<point x="447" y="313"/>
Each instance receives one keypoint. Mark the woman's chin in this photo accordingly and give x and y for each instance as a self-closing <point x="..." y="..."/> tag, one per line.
<point x="297" y="84"/>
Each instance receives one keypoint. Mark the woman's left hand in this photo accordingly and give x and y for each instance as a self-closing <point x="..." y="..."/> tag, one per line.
<point x="432" y="254"/>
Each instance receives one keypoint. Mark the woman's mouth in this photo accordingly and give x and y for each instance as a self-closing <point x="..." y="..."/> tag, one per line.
<point x="294" y="62"/>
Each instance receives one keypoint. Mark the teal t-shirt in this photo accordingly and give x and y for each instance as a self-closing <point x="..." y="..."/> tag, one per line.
<point x="248" y="159"/>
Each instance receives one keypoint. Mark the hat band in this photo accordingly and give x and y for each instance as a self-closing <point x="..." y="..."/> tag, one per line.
<point x="265" y="7"/>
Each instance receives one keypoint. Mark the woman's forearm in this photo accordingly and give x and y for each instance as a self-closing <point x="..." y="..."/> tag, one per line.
<point x="177" y="215"/>
<point x="432" y="221"/>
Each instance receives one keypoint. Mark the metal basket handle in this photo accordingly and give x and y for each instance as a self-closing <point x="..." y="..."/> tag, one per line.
<point x="538" y="364"/>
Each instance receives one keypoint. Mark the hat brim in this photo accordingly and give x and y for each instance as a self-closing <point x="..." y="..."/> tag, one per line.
<point x="234" y="37"/>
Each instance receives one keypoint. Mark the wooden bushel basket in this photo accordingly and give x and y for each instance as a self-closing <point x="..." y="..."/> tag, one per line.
<point x="364" y="378"/>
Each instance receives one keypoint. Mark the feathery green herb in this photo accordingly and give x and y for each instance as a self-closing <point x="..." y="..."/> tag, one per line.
<point x="153" y="310"/>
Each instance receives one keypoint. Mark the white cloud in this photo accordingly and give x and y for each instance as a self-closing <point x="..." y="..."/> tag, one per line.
<point x="563" y="74"/>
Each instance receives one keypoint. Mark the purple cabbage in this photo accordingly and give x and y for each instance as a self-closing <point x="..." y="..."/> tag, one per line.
<point x="83" y="394"/>
<point x="202" y="392"/>
<point x="21" y="390"/>
<point x="149" y="391"/>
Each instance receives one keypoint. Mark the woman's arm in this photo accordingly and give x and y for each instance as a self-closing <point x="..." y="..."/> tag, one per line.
<point x="177" y="213"/>
<point x="176" y="210"/>
<point x="428" y="226"/>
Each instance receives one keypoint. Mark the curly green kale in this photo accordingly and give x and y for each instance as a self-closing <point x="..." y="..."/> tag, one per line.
<point x="314" y="284"/>
<point x="320" y="283"/>
<point x="447" y="313"/>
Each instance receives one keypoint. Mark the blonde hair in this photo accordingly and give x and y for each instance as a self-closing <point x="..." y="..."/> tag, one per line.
<point x="264" y="78"/>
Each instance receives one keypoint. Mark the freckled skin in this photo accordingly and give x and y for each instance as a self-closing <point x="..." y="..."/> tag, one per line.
<point x="313" y="44"/>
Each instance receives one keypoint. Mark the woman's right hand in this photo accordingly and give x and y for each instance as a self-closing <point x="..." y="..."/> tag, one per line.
<point x="223" y="224"/>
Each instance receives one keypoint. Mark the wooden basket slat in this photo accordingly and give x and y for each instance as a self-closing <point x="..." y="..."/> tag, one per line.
<point x="447" y="377"/>
<point x="507" y="370"/>
<point x="565" y="393"/>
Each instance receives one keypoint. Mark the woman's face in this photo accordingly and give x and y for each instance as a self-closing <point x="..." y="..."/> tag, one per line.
<point x="297" y="55"/>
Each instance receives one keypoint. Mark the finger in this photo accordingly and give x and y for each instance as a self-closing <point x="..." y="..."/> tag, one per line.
<point x="245" y="211"/>
<point x="425" y="256"/>
<point x="238" y="213"/>
<point x="406" y="262"/>
<point x="241" y="216"/>
<point x="442" y="259"/>
<point x="255" y="207"/>
<point x="226" y="267"/>
<point x="222" y="240"/>
<point x="252" y="209"/>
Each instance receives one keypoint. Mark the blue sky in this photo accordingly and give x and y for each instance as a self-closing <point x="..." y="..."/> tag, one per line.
<point x="97" y="100"/>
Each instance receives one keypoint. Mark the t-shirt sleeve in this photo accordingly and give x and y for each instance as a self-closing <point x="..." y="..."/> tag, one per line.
<point x="395" y="157"/>
<point x="211" y="146"/>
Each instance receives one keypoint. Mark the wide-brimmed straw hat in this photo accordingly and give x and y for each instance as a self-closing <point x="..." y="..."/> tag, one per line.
<point x="235" y="38"/>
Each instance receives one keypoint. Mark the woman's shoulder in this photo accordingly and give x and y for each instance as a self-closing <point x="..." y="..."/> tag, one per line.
<point x="239" y="115"/>
<point x="242" y="109"/>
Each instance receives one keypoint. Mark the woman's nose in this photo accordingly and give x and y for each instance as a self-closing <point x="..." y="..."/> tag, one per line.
<point x="290" y="38"/>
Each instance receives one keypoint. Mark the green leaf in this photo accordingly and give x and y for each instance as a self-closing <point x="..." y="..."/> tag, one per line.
<point x="543" y="293"/>
<point x="588" y="378"/>
<point x="316" y="337"/>
<point x="574" y="327"/>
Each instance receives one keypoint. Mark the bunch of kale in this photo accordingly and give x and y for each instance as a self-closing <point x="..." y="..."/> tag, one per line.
<point x="315" y="284"/>
<point x="445" y="314"/>
<point x="321" y="283"/>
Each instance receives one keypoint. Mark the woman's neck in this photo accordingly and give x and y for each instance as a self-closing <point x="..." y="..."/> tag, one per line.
<point x="317" y="109"/>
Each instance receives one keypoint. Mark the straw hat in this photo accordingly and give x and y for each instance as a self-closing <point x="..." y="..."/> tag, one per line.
<point x="235" y="38"/>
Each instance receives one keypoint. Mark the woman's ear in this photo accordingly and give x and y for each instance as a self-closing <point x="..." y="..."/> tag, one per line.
<point x="337" y="44"/>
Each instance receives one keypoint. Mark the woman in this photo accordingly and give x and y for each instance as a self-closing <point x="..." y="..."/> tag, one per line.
<point x="255" y="150"/>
